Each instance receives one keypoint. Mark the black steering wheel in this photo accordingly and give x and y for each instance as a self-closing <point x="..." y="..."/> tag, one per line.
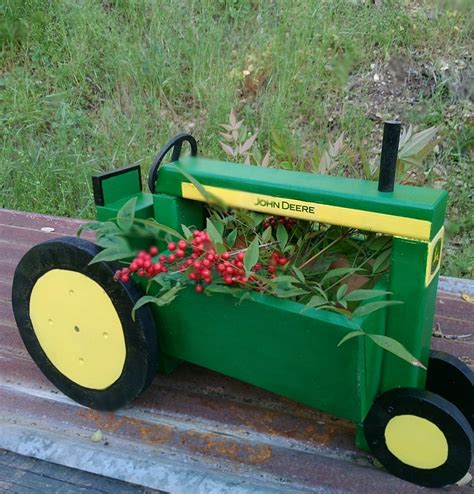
<point x="176" y="143"/>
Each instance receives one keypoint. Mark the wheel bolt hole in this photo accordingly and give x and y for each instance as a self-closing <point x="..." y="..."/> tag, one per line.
<point x="76" y="329"/>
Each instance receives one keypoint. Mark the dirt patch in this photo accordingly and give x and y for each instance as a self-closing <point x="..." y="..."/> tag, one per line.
<point x="392" y="89"/>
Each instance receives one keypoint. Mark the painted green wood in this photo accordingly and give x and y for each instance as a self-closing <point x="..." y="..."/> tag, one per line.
<point x="406" y="201"/>
<point x="122" y="185"/>
<point x="176" y="211"/>
<point x="144" y="207"/>
<point x="276" y="345"/>
<point x="410" y="323"/>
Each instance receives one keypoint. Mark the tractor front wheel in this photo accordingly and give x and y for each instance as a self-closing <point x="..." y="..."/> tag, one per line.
<point x="419" y="436"/>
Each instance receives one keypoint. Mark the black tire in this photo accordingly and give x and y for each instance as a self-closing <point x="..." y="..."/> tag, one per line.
<point x="452" y="379"/>
<point x="442" y="457"/>
<point x="138" y="361"/>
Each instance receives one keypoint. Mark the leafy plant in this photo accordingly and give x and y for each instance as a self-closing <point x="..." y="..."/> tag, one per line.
<point x="238" y="145"/>
<point x="240" y="252"/>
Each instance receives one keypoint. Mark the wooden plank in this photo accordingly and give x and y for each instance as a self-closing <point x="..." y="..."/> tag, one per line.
<point x="24" y="474"/>
<point x="194" y="416"/>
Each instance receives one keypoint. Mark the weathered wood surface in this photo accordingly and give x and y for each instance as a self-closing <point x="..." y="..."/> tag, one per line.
<point x="21" y="474"/>
<point x="195" y="430"/>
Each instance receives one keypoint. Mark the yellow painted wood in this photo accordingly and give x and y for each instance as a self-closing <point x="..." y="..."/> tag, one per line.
<point x="416" y="441"/>
<point x="311" y="211"/>
<point x="435" y="249"/>
<point x="78" y="328"/>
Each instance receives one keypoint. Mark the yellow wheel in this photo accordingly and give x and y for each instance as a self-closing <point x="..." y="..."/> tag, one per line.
<point x="419" y="436"/>
<point x="75" y="321"/>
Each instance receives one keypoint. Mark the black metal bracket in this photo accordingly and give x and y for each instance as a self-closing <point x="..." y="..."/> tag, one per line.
<point x="176" y="143"/>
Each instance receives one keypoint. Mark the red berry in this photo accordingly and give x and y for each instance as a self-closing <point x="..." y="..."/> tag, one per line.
<point x="206" y="263"/>
<point x="221" y="267"/>
<point x="257" y="266"/>
<point x="182" y="244"/>
<point x="157" y="267"/>
<point x="206" y="273"/>
<point x="142" y="255"/>
<point x="171" y="246"/>
<point x="133" y="266"/>
<point x="207" y="281"/>
<point x="225" y="256"/>
<point x="125" y="277"/>
<point x="199" y="288"/>
<point x="210" y="258"/>
<point x="228" y="280"/>
<point x="163" y="258"/>
<point x="192" y="276"/>
<point x="180" y="253"/>
<point x="240" y="256"/>
<point x="146" y="264"/>
<point x="196" y="233"/>
<point x="282" y="261"/>
<point x="164" y="269"/>
<point x="171" y="258"/>
<point x="153" y="251"/>
<point x="198" y="265"/>
<point x="229" y="270"/>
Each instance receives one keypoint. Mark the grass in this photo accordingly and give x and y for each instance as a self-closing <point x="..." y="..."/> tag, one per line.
<point x="87" y="86"/>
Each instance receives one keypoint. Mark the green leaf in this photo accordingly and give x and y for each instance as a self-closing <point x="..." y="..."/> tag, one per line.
<point x="338" y="272"/>
<point x="164" y="299"/>
<point x="282" y="236"/>
<point x="231" y="238"/>
<point x="267" y="235"/>
<point x="341" y="291"/>
<point x="350" y="335"/>
<point x="284" y="278"/>
<point x="293" y="292"/>
<point x="168" y="296"/>
<point x="126" y="215"/>
<point x="251" y="256"/>
<point x="141" y="302"/>
<point x="298" y="274"/>
<point x="382" y="261"/>
<point x="217" y="288"/>
<point x="112" y="240"/>
<point x="215" y="236"/>
<point x="113" y="254"/>
<point x="316" y="301"/>
<point x="362" y="294"/>
<point x="188" y="234"/>
<point x="363" y="310"/>
<point x="395" y="347"/>
<point x="92" y="227"/>
<point x="154" y="225"/>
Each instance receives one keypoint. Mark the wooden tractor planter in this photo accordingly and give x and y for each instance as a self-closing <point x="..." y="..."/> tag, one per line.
<point x="76" y="320"/>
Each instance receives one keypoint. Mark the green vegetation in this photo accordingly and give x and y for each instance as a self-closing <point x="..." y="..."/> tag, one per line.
<point x="87" y="86"/>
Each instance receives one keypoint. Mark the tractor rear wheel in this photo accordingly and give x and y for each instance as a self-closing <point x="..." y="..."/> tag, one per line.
<point x="419" y="436"/>
<point x="76" y="322"/>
